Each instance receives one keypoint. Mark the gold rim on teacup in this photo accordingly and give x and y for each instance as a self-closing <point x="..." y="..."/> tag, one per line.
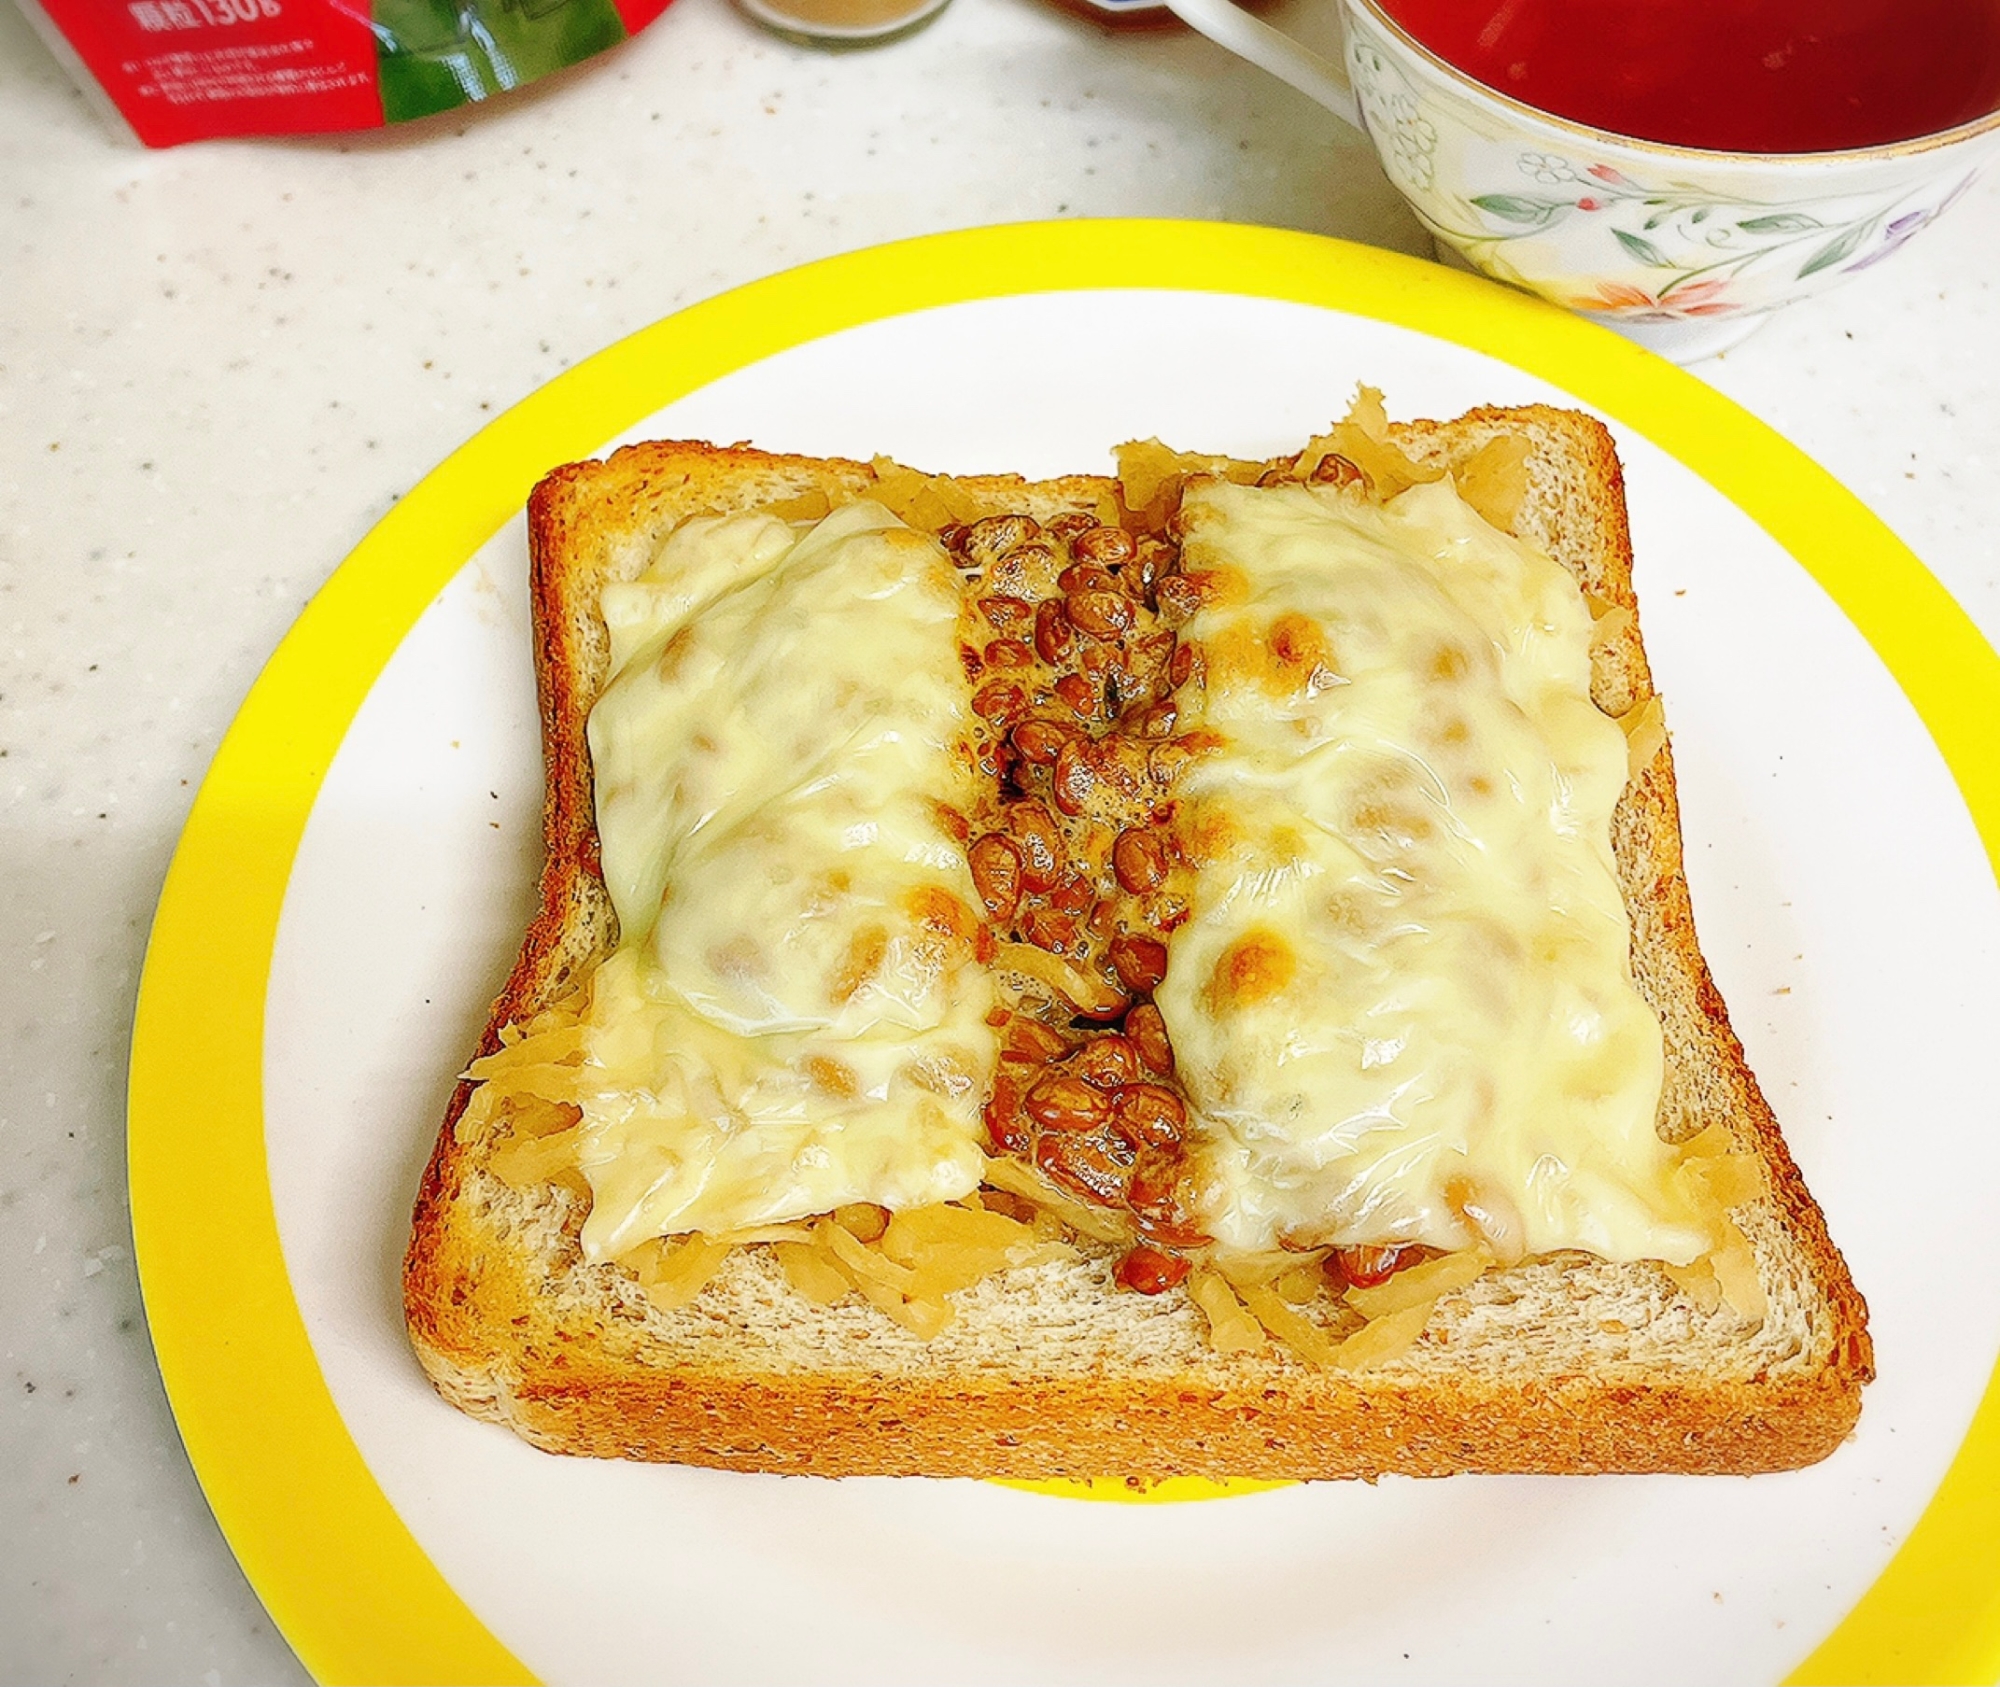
<point x="1637" y="143"/>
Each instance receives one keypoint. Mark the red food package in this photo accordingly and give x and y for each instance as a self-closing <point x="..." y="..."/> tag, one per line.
<point x="189" y="70"/>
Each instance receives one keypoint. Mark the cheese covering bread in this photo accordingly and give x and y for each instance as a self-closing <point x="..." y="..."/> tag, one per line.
<point x="771" y="757"/>
<point x="1339" y="1101"/>
<point x="1407" y="965"/>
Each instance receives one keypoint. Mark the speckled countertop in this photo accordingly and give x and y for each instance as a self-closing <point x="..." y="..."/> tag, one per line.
<point x="220" y="365"/>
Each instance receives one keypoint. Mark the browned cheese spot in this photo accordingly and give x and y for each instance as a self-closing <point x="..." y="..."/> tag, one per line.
<point x="1450" y="662"/>
<point x="937" y="909"/>
<point x="1208" y="834"/>
<point x="673" y="653"/>
<point x="866" y="951"/>
<point x="1301" y="657"/>
<point x="1256" y="967"/>
<point x="832" y="1076"/>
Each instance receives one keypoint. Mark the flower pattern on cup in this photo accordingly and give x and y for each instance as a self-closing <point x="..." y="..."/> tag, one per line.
<point x="1635" y="304"/>
<point x="1908" y="224"/>
<point x="1406" y="139"/>
<point x="1415" y="140"/>
<point x="1690" y="241"/>
<point x="1546" y="168"/>
<point x="1406" y="128"/>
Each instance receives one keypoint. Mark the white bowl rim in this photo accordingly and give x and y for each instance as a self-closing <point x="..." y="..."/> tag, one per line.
<point x="1880" y="153"/>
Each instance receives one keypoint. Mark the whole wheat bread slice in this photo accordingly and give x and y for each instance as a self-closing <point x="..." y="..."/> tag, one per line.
<point x="1563" y="1364"/>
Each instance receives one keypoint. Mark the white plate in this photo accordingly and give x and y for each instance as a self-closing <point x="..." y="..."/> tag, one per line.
<point x="1845" y="905"/>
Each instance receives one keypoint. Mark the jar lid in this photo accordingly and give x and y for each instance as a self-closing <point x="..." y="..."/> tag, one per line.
<point x="841" y="20"/>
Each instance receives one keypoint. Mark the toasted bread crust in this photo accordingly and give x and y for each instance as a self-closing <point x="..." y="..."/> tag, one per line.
<point x="512" y="1326"/>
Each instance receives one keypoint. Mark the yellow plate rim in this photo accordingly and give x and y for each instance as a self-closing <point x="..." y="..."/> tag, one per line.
<point x="339" y="1571"/>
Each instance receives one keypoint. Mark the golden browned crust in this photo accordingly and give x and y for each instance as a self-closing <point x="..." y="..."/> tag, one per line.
<point x="851" y="1425"/>
<point x="512" y="1327"/>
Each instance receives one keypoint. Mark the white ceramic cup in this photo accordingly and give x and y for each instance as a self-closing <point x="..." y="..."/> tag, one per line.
<point x="1684" y="250"/>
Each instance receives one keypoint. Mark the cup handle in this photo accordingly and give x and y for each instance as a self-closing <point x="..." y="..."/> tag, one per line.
<point x="1251" y="38"/>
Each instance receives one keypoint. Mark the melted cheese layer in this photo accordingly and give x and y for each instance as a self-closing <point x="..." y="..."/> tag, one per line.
<point x="793" y="1019"/>
<point x="1403" y="1007"/>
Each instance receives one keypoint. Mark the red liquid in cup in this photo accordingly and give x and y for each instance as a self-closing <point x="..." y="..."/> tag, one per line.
<point x="1733" y="75"/>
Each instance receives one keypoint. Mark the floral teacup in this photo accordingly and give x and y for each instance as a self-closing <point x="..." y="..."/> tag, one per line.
<point x="1686" y="251"/>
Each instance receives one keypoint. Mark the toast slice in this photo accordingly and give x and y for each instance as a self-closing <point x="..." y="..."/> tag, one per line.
<point x="1557" y="1364"/>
